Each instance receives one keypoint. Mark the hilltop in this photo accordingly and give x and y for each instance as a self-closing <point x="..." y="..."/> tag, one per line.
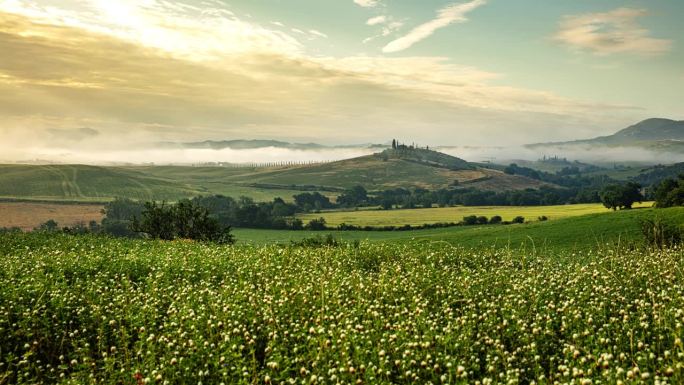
<point x="655" y="134"/>
<point x="391" y="168"/>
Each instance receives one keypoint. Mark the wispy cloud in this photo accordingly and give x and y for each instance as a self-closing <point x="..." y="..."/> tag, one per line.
<point x="318" y="33"/>
<point x="388" y="23"/>
<point x="367" y="3"/>
<point x="178" y="28"/>
<point x="454" y="13"/>
<point x="611" y="32"/>
<point x="377" y="20"/>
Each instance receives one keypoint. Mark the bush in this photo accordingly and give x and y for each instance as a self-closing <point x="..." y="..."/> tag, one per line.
<point x="543" y="218"/>
<point x="660" y="233"/>
<point x="316" y="225"/>
<point x="482" y="220"/>
<point x="49" y="226"/>
<point x="469" y="220"/>
<point x="318" y="241"/>
<point x="518" y="219"/>
<point x="495" y="220"/>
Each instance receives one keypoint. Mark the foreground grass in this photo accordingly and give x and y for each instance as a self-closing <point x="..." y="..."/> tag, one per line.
<point x="93" y="310"/>
<point x="416" y="217"/>
<point x="581" y="232"/>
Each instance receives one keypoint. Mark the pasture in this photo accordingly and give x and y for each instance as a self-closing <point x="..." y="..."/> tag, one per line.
<point x="582" y="232"/>
<point x="96" y="310"/>
<point x="416" y="217"/>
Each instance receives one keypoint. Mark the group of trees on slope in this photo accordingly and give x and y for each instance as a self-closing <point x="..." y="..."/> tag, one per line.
<point x="670" y="192"/>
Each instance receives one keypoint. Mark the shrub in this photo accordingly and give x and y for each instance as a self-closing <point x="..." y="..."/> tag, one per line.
<point x="543" y="218"/>
<point x="659" y="233"/>
<point x="482" y="220"/>
<point x="49" y="226"/>
<point x="518" y="219"/>
<point x="495" y="220"/>
<point x="316" y="225"/>
<point x="470" y="220"/>
<point x="318" y="241"/>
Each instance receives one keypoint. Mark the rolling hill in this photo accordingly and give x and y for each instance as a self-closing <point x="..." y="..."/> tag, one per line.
<point x="415" y="168"/>
<point x="86" y="183"/>
<point x="655" y="134"/>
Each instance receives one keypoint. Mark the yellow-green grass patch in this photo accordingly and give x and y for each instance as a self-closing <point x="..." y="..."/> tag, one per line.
<point x="417" y="217"/>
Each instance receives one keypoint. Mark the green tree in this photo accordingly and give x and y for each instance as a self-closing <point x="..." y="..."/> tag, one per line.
<point x="119" y="216"/>
<point x="621" y="196"/>
<point x="670" y="193"/>
<point x="355" y="196"/>
<point x="157" y="221"/>
<point x="185" y="220"/>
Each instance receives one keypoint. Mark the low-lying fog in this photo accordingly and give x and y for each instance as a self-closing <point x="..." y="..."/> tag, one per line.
<point x="183" y="156"/>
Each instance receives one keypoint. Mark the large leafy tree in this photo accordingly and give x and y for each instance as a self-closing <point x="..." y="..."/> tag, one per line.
<point x="184" y="220"/>
<point x="621" y="196"/>
<point x="670" y="193"/>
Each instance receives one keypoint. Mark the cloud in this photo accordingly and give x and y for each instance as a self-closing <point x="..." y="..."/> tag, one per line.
<point x="72" y="135"/>
<point x="611" y="32"/>
<point x="377" y="20"/>
<point x="318" y="33"/>
<point x="454" y="13"/>
<point x="178" y="28"/>
<point x="367" y="3"/>
<point x="389" y="26"/>
<point x="65" y="74"/>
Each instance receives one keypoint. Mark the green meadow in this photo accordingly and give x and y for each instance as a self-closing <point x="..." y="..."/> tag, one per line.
<point x="579" y="232"/>
<point x="416" y="217"/>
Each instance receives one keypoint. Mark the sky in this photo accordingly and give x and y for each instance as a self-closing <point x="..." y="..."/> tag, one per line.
<point x="125" y="74"/>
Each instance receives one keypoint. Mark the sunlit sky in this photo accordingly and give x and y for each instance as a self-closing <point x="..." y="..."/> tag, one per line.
<point x="496" y="72"/>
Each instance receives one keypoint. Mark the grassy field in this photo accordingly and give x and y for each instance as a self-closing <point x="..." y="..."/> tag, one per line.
<point x="581" y="232"/>
<point x="79" y="310"/>
<point x="88" y="183"/>
<point x="417" y="217"/>
<point x="85" y="183"/>
<point x="78" y="183"/>
<point x="28" y="215"/>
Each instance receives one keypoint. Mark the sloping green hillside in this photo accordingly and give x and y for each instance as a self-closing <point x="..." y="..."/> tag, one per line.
<point x="86" y="183"/>
<point x="389" y="169"/>
<point x="581" y="233"/>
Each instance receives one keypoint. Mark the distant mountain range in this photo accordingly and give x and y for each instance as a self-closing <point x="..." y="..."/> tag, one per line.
<point x="242" y="144"/>
<point x="654" y="134"/>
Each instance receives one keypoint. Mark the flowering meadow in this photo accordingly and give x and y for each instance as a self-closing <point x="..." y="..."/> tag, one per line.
<point x="87" y="310"/>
